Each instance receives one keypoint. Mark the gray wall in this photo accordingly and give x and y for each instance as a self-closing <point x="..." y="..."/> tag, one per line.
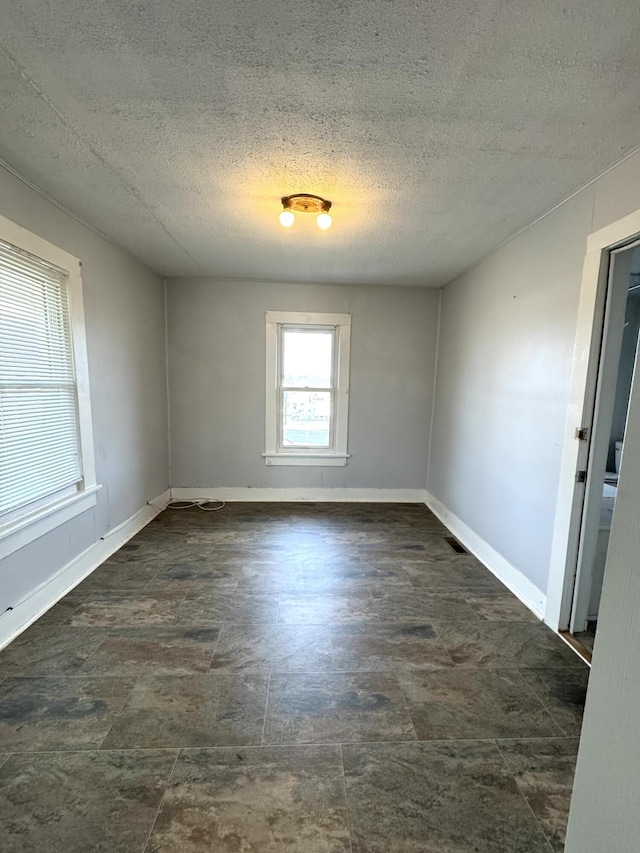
<point x="124" y="312"/>
<point x="507" y="336"/>
<point x="217" y="382"/>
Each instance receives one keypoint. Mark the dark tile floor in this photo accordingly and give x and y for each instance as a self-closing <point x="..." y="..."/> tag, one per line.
<point x="320" y="678"/>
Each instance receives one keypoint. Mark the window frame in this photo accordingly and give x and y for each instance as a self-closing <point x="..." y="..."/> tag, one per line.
<point x="340" y="326"/>
<point x="24" y="524"/>
<point x="282" y="388"/>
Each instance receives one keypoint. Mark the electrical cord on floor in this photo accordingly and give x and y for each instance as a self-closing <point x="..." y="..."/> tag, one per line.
<point x="200" y="503"/>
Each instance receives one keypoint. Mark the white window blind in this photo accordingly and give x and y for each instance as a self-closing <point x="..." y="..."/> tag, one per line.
<point x="39" y="437"/>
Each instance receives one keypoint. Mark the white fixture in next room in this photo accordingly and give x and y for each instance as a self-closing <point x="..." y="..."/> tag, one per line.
<point x="611" y="477"/>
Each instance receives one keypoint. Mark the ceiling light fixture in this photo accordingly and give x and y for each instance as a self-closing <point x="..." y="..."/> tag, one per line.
<point x="305" y="203"/>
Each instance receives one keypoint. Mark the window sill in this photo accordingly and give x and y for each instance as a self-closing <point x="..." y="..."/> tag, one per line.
<point x="20" y="532"/>
<point x="328" y="460"/>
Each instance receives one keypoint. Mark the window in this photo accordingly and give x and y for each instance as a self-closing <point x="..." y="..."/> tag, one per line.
<point x="46" y="450"/>
<point x="307" y="388"/>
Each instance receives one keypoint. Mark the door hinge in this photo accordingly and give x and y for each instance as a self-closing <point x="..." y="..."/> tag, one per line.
<point x="582" y="433"/>
<point x="581" y="477"/>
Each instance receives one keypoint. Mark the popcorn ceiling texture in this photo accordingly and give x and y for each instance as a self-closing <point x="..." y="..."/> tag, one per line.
<point x="437" y="129"/>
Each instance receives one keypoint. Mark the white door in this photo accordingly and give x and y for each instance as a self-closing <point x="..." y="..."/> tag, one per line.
<point x="604" y="808"/>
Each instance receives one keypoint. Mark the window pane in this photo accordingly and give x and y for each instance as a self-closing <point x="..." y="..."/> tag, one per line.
<point x="306" y="418"/>
<point x="307" y="359"/>
<point x="38" y="444"/>
<point x="35" y="326"/>
<point x="39" y="438"/>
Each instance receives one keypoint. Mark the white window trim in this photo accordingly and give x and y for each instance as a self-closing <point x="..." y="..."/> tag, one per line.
<point x="337" y="455"/>
<point x="37" y="520"/>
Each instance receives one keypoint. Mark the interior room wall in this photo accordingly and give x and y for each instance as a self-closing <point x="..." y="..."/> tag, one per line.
<point x="124" y="315"/>
<point x="217" y="383"/>
<point x="504" y="364"/>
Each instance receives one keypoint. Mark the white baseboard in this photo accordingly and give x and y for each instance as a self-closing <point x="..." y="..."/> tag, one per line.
<point x="15" y="621"/>
<point x="259" y="495"/>
<point x="511" y="577"/>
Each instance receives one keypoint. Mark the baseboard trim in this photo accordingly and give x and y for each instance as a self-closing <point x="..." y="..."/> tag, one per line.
<point x="520" y="586"/>
<point x="14" y="622"/>
<point x="264" y="495"/>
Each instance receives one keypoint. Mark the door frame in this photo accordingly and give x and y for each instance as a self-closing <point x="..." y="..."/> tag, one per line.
<point x="600" y="429"/>
<point x="580" y="411"/>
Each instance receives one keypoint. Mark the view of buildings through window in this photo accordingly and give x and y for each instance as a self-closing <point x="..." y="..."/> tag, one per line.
<point x="307" y="387"/>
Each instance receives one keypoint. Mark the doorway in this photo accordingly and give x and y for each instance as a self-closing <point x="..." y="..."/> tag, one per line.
<point x="605" y="357"/>
<point x="604" y="433"/>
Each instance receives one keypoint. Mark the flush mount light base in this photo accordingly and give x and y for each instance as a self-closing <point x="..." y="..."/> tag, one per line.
<point x="305" y="203"/>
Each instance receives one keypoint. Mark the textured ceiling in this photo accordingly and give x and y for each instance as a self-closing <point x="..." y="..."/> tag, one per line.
<point x="438" y="129"/>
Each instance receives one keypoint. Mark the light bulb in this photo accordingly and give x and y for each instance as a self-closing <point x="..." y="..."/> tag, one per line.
<point x="287" y="218"/>
<point x="324" y="221"/>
